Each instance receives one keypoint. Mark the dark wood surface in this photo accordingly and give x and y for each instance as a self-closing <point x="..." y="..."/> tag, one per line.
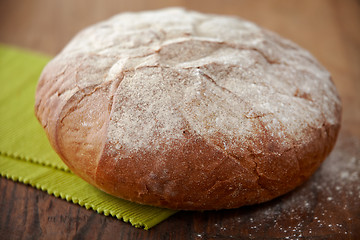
<point x="326" y="207"/>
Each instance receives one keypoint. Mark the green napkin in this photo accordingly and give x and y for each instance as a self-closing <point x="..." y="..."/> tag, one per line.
<point x="26" y="155"/>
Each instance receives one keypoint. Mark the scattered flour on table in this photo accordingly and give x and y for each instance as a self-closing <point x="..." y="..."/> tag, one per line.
<point x="327" y="203"/>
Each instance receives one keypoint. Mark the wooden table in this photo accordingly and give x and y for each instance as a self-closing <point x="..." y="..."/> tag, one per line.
<point x="326" y="207"/>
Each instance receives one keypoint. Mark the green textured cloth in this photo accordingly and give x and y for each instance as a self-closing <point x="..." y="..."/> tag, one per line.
<point x="26" y="155"/>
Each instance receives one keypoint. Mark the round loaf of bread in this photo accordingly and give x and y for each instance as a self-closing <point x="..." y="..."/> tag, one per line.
<point x="184" y="110"/>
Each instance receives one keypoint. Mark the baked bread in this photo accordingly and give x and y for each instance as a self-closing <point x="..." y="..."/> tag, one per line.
<point x="184" y="110"/>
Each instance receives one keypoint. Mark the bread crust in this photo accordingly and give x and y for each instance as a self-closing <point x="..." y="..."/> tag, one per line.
<point x="184" y="110"/>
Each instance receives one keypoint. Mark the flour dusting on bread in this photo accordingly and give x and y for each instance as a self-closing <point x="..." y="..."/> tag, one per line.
<point x="174" y="83"/>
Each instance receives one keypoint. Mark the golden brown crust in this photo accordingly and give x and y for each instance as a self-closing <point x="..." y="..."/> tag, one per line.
<point x="171" y="108"/>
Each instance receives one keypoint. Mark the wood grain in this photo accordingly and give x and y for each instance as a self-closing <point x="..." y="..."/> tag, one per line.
<point x="326" y="207"/>
<point x="321" y="209"/>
